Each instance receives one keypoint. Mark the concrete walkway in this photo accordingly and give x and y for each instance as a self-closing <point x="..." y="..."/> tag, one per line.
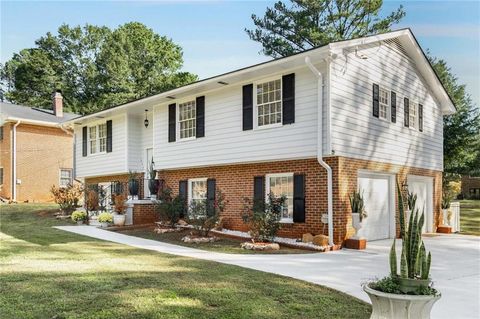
<point x="455" y="266"/>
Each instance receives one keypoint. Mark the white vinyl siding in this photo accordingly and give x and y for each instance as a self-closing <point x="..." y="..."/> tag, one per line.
<point x="226" y="143"/>
<point x="281" y="185"/>
<point x="357" y="134"/>
<point x="269" y="103"/>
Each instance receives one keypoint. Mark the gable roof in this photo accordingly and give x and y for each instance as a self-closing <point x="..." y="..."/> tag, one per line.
<point x="405" y="37"/>
<point x="14" y="112"/>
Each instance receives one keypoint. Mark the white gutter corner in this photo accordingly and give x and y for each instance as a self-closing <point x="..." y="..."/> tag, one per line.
<point x="320" y="160"/>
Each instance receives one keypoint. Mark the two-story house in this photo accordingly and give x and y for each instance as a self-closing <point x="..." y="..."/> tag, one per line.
<point x="357" y="114"/>
<point x="36" y="151"/>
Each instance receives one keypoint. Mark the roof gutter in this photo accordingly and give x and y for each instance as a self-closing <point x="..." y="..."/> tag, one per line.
<point x="14" y="161"/>
<point x="33" y="122"/>
<point x="320" y="160"/>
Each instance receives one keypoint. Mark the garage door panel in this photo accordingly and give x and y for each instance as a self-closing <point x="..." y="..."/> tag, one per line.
<point x="376" y="192"/>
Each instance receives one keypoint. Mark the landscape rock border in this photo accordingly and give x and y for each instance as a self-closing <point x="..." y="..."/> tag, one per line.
<point x="260" y="246"/>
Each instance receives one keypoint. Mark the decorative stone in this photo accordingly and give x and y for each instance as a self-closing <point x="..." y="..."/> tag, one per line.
<point x="353" y="243"/>
<point x="160" y="230"/>
<point x="181" y="222"/>
<point x="260" y="246"/>
<point x="307" y="238"/>
<point x="198" y="240"/>
<point x="320" y="240"/>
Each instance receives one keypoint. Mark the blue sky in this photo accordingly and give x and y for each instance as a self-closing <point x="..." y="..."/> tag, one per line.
<point x="212" y="32"/>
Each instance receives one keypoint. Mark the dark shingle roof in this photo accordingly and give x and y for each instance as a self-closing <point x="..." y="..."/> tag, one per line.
<point x="33" y="113"/>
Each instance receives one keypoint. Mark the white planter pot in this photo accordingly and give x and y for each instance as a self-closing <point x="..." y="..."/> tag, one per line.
<point x="93" y="221"/>
<point x="446" y="222"/>
<point x="104" y="225"/>
<point x="119" y="219"/>
<point x="393" y="306"/>
<point x="79" y="222"/>
<point x="356" y="224"/>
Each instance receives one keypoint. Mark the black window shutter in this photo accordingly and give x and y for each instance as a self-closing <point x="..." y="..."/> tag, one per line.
<point x="406" y="112"/>
<point x="259" y="189"/>
<point x="247" y="107"/>
<point x="200" y="106"/>
<point x="182" y="193"/>
<point x="298" y="198"/>
<point x="376" y="100"/>
<point x="84" y="141"/>
<point x="172" y="122"/>
<point x="109" y="136"/>
<point x="211" y="187"/>
<point x="420" y="117"/>
<point x="393" y="102"/>
<point x="288" y="98"/>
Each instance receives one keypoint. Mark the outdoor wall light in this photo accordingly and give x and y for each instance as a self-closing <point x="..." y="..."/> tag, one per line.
<point x="146" y="119"/>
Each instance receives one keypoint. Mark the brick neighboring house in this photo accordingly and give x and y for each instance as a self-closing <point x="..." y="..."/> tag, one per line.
<point x="470" y="187"/>
<point x="314" y="126"/>
<point x="36" y="151"/>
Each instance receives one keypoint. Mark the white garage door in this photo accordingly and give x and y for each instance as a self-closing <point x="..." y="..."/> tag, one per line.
<point x="423" y="188"/>
<point x="376" y="190"/>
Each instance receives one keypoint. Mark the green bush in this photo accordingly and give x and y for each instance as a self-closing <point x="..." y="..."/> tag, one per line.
<point x="263" y="219"/>
<point x="79" y="216"/>
<point x="169" y="208"/>
<point x="390" y="285"/>
<point x="105" y="218"/>
<point x="204" y="215"/>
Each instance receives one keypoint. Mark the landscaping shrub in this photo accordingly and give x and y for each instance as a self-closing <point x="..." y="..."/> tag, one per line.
<point x="263" y="219"/>
<point x="119" y="201"/>
<point x="105" y="218"/>
<point x="67" y="197"/>
<point x="91" y="202"/>
<point x="169" y="208"/>
<point x="204" y="215"/>
<point x="79" y="216"/>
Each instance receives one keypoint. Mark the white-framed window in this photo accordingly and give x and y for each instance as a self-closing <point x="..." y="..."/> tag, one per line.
<point x="97" y="138"/>
<point x="413" y="115"/>
<point x="269" y="102"/>
<point x="187" y="119"/>
<point x="384" y="103"/>
<point x="281" y="185"/>
<point x="66" y="177"/>
<point x="197" y="190"/>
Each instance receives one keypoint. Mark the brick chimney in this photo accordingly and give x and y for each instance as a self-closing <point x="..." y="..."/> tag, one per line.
<point x="57" y="103"/>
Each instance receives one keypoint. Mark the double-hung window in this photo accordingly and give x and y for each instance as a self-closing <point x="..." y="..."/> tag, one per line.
<point x="66" y="177"/>
<point x="187" y="119"/>
<point x="97" y="138"/>
<point x="413" y="115"/>
<point x="197" y="190"/>
<point x="384" y="104"/>
<point x="282" y="185"/>
<point x="269" y="103"/>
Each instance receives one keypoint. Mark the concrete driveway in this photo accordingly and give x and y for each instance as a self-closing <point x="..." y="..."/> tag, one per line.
<point x="455" y="266"/>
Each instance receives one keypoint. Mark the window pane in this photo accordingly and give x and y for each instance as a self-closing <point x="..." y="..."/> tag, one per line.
<point x="187" y="119"/>
<point x="283" y="186"/>
<point x="269" y="105"/>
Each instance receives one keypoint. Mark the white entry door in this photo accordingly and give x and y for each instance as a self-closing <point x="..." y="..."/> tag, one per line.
<point x="423" y="188"/>
<point x="148" y="161"/>
<point x="377" y="193"/>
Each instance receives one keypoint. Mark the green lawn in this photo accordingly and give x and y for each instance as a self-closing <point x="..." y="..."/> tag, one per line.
<point x="224" y="245"/>
<point x="470" y="217"/>
<point x="48" y="273"/>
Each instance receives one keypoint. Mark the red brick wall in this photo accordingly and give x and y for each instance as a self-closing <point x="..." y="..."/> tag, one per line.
<point x="144" y="214"/>
<point x="236" y="182"/>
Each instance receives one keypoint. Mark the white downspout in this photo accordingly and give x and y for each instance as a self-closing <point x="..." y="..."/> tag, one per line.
<point x="320" y="160"/>
<point x="14" y="161"/>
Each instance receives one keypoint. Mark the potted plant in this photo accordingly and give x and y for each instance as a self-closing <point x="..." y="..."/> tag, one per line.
<point x="119" y="210"/>
<point x="446" y="200"/>
<point x="357" y="205"/>
<point x="411" y="202"/>
<point x="153" y="183"/>
<point x="79" y="217"/>
<point x="133" y="184"/>
<point x="408" y="294"/>
<point x="105" y="219"/>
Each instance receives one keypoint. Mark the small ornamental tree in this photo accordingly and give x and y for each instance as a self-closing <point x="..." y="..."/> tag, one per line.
<point x="204" y="215"/>
<point x="168" y="207"/>
<point x="67" y="197"/>
<point x="263" y="219"/>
